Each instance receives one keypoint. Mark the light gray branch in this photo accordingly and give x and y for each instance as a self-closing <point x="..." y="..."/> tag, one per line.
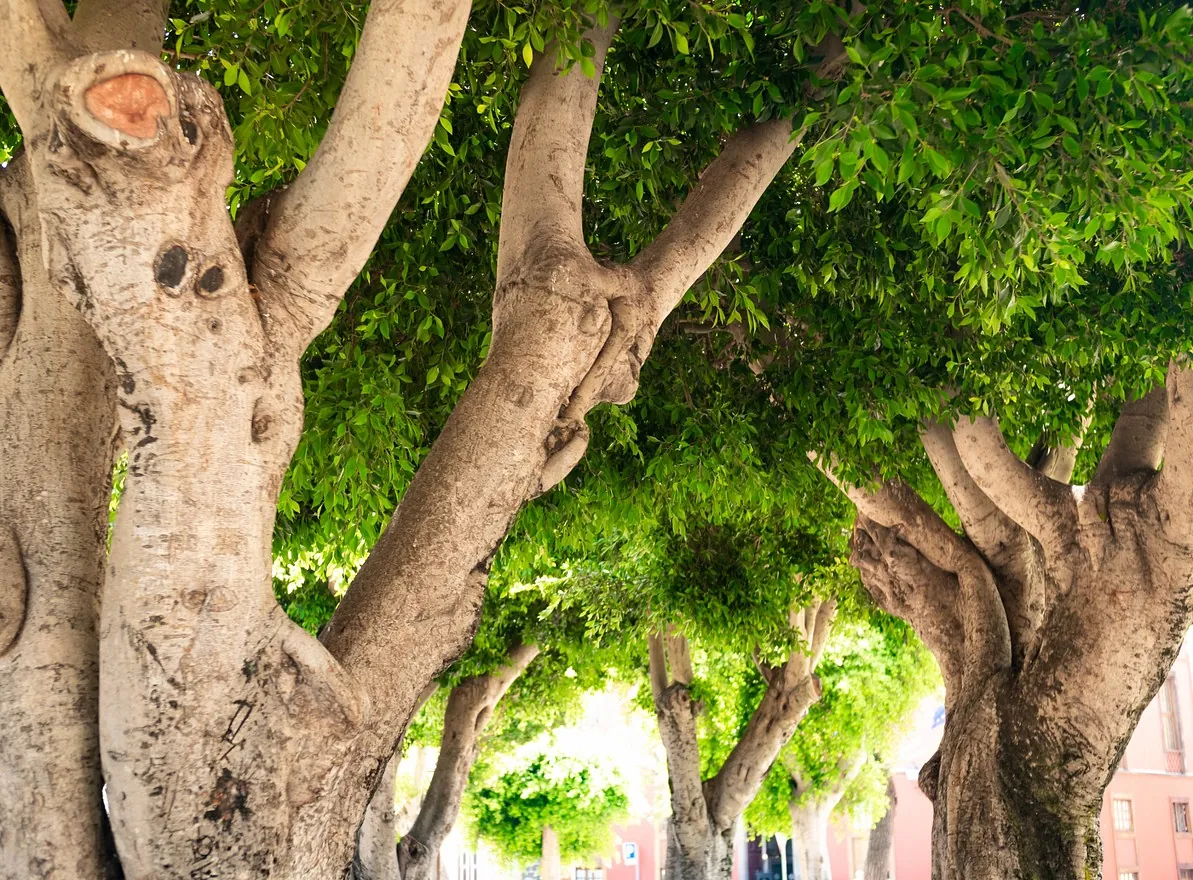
<point x="1137" y="442"/>
<point x="1175" y="486"/>
<point x="100" y="25"/>
<point x="544" y="171"/>
<point x="1042" y="506"/>
<point x="319" y="231"/>
<point x="34" y="39"/>
<point x="714" y="211"/>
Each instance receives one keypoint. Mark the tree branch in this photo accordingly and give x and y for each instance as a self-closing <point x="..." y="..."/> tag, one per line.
<point x="787" y="698"/>
<point x="100" y="25"/>
<point x="34" y="39"/>
<point x="544" y="172"/>
<point x="715" y="210"/>
<point x="1174" y="489"/>
<point x="318" y="232"/>
<point x="1137" y="442"/>
<point x="1042" y="506"/>
<point x="676" y="715"/>
<point x="658" y="665"/>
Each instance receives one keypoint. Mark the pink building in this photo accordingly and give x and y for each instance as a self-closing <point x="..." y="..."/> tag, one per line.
<point x="1147" y="815"/>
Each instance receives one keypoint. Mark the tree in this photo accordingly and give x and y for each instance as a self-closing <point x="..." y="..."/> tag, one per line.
<point x="204" y="326"/>
<point x="882" y="838"/>
<point x="576" y="802"/>
<point x="873" y="674"/>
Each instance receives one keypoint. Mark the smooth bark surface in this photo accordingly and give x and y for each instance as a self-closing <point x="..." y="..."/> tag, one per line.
<point x="809" y="834"/>
<point x="703" y="812"/>
<point x="1026" y="613"/>
<point x="469" y="709"/>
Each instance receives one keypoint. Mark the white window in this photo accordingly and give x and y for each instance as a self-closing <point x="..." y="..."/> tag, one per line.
<point x="1180" y="817"/>
<point x="1128" y="875"/>
<point x="1124" y="819"/>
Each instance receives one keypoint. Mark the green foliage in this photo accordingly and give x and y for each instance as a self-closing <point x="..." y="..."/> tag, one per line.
<point x="874" y="673"/>
<point x="579" y="801"/>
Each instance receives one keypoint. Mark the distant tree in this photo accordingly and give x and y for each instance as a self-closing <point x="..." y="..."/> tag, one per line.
<point x="577" y="801"/>
<point x="874" y="673"/>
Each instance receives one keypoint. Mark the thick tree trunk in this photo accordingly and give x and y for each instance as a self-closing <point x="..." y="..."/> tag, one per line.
<point x="469" y="709"/>
<point x="697" y="852"/>
<point x="1026" y="613"/>
<point x="882" y="838"/>
<point x="809" y="834"/>
<point x="233" y="744"/>
<point x="57" y="424"/>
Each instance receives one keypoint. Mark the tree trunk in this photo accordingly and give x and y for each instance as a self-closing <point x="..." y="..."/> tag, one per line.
<point x="376" y="842"/>
<point x="809" y="834"/>
<point x="703" y="813"/>
<point x="549" y="865"/>
<point x="469" y="709"/>
<point x="882" y="838"/>
<point x="233" y="744"/>
<point x="57" y="424"/>
<point x="696" y="852"/>
<point x="1026" y="614"/>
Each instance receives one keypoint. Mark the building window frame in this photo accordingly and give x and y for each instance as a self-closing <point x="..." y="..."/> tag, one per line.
<point x="1170" y="727"/>
<point x="1188" y="816"/>
<point x="1120" y="831"/>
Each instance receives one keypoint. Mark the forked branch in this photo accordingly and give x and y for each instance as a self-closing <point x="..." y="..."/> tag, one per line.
<point x="548" y="152"/>
<point x="318" y="232"/>
<point x="791" y="689"/>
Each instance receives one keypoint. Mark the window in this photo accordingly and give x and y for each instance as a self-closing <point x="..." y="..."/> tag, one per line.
<point x="1186" y="873"/>
<point x="1124" y="818"/>
<point x="1170" y="721"/>
<point x="1128" y="875"/>
<point x="590" y="874"/>
<point x="1180" y="817"/>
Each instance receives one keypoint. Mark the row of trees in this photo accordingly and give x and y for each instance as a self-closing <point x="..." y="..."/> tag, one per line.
<point x="985" y="220"/>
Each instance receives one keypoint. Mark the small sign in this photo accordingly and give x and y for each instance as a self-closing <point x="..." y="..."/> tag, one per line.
<point x="629" y="853"/>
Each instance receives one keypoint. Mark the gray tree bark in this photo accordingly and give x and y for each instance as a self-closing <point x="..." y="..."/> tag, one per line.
<point x="469" y="709"/>
<point x="1026" y="613"/>
<point x="233" y="744"/>
<point x="703" y="812"/>
<point x="882" y="838"/>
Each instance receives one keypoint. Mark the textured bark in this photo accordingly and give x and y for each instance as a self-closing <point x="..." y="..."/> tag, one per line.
<point x="469" y="709"/>
<point x="703" y="812"/>
<point x="233" y="744"/>
<point x="57" y="420"/>
<point x="882" y="838"/>
<point x="1026" y="613"/>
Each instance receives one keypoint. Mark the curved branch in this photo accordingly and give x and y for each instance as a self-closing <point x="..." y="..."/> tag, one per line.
<point x="544" y="171"/>
<point x="788" y="695"/>
<point x="34" y="39"/>
<point x="1137" y="442"/>
<point x="319" y="231"/>
<point x="715" y="210"/>
<point x="1042" y="506"/>
<point x="989" y="528"/>
<point x="101" y="25"/>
